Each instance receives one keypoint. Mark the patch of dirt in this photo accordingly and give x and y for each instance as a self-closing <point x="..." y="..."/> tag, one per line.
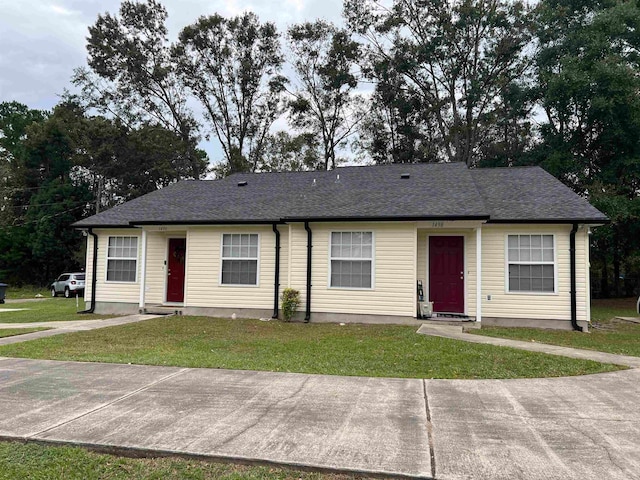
<point x="628" y="302"/>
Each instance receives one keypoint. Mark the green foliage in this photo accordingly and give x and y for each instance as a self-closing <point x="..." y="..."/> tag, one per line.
<point x="287" y="153"/>
<point x="323" y="101"/>
<point x="132" y="75"/>
<point x="63" y="167"/>
<point x="232" y="67"/>
<point x="454" y="61"/>
<point x="588" y="85"/>
<point x="290" y="303"/>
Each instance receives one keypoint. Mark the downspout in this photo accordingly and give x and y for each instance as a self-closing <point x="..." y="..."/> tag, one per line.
<point x="307" y="315"/>
<point x="276" y="293"/>
<point x="572" y="259"/>
<point x="94" y="277"/>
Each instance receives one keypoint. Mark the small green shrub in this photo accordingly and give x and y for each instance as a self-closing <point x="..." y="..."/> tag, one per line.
<point x="290" y="303"/>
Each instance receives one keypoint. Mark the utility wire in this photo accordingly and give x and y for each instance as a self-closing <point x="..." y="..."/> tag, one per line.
<point x="7" y="227"/>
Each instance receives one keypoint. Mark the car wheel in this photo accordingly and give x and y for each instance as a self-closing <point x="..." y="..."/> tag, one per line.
<point x="53" y="292"/>
<point x="67" y="293"/>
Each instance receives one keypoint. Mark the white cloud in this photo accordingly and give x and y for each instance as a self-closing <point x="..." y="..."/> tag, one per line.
<point x="60" y="10"/>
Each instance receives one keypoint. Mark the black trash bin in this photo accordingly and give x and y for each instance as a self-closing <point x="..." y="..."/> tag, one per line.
<point x="3" y="290"/>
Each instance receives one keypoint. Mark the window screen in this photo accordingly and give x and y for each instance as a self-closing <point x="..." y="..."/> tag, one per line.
<point x="531" y="261"/>
<point x="122" y="259"/>
<point x="351" y="259"/>
<point x="240" y="259"/>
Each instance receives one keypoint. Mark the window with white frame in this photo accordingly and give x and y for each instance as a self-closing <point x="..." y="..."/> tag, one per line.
<point x="239" y="259"/>
<point x="351" y="264"/>
<point x="122" y="259"/>
<point x="531" y="263"/>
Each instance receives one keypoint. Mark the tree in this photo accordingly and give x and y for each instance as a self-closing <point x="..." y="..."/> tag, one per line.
<point x="588" y="86"/>
<point x="509" y="128"/>
<point x="133" y="77"/>
<point x="291" y="153"/>
<point x="232" y="67"/>
<point x="38" y="242"/>
<point x="323" y="103"/>
<point x="457" y="57"/>
<point x="15" y="119"/>
<point x="395" y="129"/>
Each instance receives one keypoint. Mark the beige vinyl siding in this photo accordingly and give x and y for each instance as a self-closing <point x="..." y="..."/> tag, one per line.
<point x="88" y="284"/>
<point x="203" y="270"/>
<point x="532" y="305"/>
<point x="298" y="261"/>
<point x="111" y="291"/>
<point x="393" y="267"/>
<point x="587" y="277"/>
<point x="469" y="262"/>
<point x="284" y="257"/>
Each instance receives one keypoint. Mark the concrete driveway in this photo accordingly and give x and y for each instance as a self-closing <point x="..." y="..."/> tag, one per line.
<point x="564" y="428"/>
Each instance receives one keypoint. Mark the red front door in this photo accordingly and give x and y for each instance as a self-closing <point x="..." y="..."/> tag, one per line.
<point x="175" y="270"/>
<point x="446" y="274"/>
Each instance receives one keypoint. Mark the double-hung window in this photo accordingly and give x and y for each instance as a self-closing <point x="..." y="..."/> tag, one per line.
<point x="122" y="259"/>
<point x="351" y="261"/>
<point x="531" y="263"/>
<point x="239" y="259"/>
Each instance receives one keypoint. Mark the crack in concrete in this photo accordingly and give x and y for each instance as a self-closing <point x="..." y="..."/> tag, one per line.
<point x="265" y="413"/>
<point x="108" y="404"/>
<point x="432" y="451"/>
<point x="598" y="444"/>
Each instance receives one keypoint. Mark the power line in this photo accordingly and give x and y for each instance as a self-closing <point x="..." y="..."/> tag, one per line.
<point x="7" y="227"/>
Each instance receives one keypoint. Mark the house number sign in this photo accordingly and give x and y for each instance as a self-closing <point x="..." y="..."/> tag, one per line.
<point x="437" y="224"/>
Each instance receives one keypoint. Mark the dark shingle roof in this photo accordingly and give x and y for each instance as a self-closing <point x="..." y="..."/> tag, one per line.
<point x="531" y="194"/>
<point x="432" y="191"/>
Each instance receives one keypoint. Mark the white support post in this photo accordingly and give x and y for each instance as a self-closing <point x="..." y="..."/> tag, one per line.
<point x="143" y="268"/>
<point x="479" y="274"/>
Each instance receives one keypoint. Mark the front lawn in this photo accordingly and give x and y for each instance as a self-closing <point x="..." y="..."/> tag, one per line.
<point x="10" y="332"/>
<point x="363" y="350"/>
<point x="46" y="310"/>
<point x="32" y="461"/>
<point x="606" y="335"/>
<point x="27" y="291"/>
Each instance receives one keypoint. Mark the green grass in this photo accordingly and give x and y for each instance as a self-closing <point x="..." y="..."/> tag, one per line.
<point x="363" y="350"/>
<point x="606" y="335"/>
<point x="27" y="291"/>
<point x="10" y="332"/>
<point x="46" y="310"/>
<point x="32" y="461"/>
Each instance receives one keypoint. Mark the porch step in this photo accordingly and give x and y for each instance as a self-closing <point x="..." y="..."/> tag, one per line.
<point x="468" y="322"/>
<point x="162" y="310"/>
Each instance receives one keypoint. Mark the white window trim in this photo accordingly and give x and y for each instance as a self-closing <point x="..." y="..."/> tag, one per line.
<point x="257" y="259"/>
<point x="107" y="258"/>
<point x="507" y="263"/>
<point x="373" y="261"/>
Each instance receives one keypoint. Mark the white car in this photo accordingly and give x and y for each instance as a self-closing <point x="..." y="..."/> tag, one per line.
<point x="68" y="284"/>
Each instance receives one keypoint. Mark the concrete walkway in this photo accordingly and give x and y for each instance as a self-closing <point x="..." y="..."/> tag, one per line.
<point x="456" y="333"/>
<point x="58" y="328"/>
<point x="558" y="428"/>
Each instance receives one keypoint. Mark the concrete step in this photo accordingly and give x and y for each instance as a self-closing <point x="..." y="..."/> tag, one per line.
<point x="162" y="310"/>
<point x="466" y="322"/>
